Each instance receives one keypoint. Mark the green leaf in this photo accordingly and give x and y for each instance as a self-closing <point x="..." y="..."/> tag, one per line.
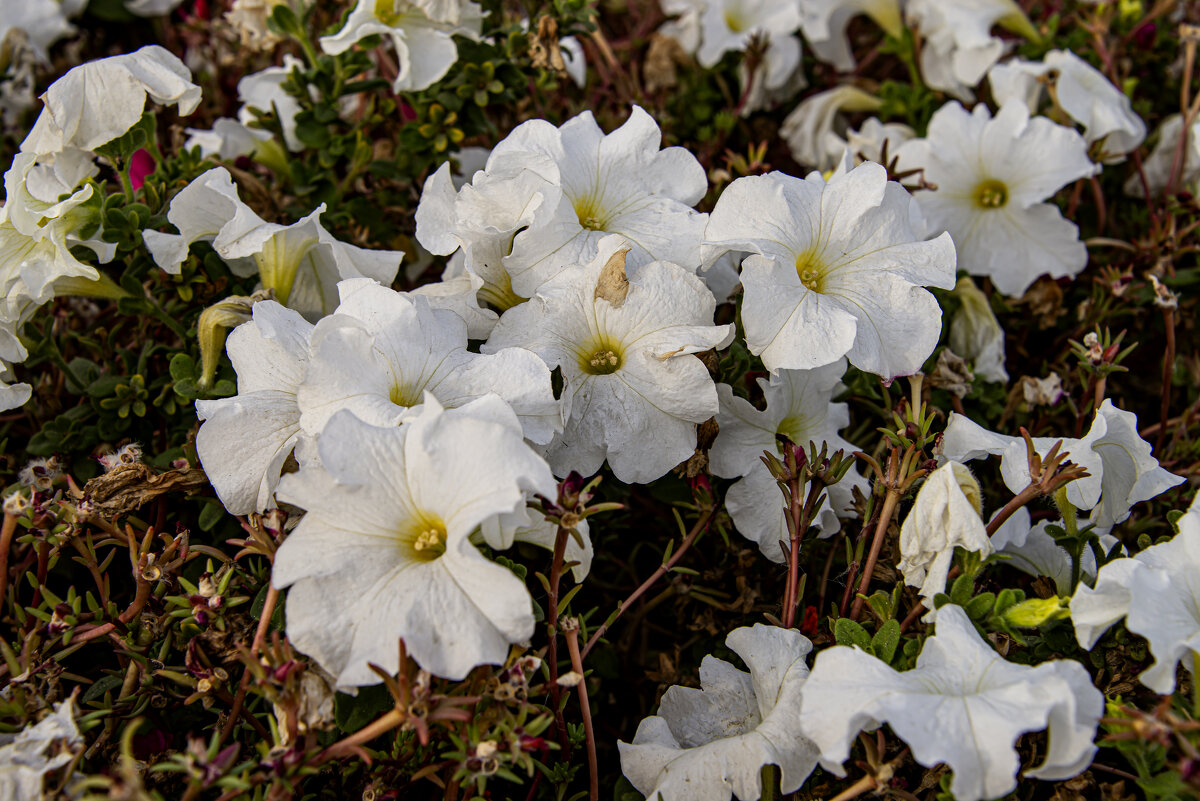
<point x="884" y="643"/>
<point x="354" y="712"/>
<point x="961" y="591"/>
<point x="981" y="605"/>
<point x="210" y="515"/>
<point x="847" y="632"/>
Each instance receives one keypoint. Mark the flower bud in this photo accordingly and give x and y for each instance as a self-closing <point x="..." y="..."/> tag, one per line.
<point x="975" y="333"/>
<point x="1036" y="612"/>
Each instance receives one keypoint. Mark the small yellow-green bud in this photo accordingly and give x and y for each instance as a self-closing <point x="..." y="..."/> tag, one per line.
<point x="1036" y="612"/>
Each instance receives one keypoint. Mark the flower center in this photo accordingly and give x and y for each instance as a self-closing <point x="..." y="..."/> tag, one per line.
<point x="425" y="538"/>
<point x="735" y="20"/>
<point x="390" y="12"/>
<point x="811" y="271"/>
<point x="991" y="194"/>
<point x="591" y="215"/>
<point x="602" y="362"/>
<point x="405" y="396"/>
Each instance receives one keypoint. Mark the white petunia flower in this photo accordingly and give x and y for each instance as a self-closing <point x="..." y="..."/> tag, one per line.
<point x="477" y="222"/>
<point x="27" y="756"/>
<point x="1082" y="92"/>
<point x="260" y="93"/>
<point x="43" y="22"/>
<point x="422" y="34"/>
<point x="825" y="23"/>
<point x="96" y="102"/>
<point x="632" y="393"/>
<point x="975" y="333"/>
<point x="799" y="406"/>
<point x="728" y="26"/>
<point x="301" y="262"/>
<point x="711" y="744"/>
<point x="382" y="351"/>
<point x="837" y="270"/>
<point x="1157" y="591"/>
<point x="809" y="128"/>
<point x="992" y="176"/>
<point x="945" y="516"/>
<point x="619" y="183"/>
<point x="1121" y="469"/>
<point x="245" y="440"/>
<point x="875" y="139"/>
<point x="12" y="396"/>
<point x="1158" y="165"/>
<point x="151" y="8"/>
<point x="526" y="525"/>
<point x="958" y="47"/>
<point x="37" y="230"/>
<point x="963" y="705"/>
<point x="384" y="549"/>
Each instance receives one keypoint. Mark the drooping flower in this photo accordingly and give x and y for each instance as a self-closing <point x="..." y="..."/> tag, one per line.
<point x="632" y="391"/>
<point x="382" y="351"/>
<point x="244" y="441"/>
<point x="422" y="34"/>
<point x="1159" y="164"/>
<point x="384" y="549"/>
<point x="837" y="270"/>
<point x="825" y="23"/>
<point x="809" y="129"/>
<point x="301" y="262"/>
<point x="958" y="47"/>
<point x="962" y="704"/>
<point x="38" y="230"/>
<point x="27" y="756"/>
<point x="598" y="184"/>
<point x="945" y="516"/>
<point x="711" y="744"/>
<point x="975" y="333"/>
<point x="992" y="176"/>
<point x="799" y="406"/>
<point x="1082" y="91"/>
<point x="1157" y="591"/>
<point x="96" y="102"/>
<point x="1122" y="471"/>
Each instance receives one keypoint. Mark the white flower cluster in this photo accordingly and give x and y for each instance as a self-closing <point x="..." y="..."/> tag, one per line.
<point x="50" y="205"/>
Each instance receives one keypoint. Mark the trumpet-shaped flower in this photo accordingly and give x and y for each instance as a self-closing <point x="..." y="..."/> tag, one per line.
<point x="963" y="705"/>
<point x="729" y="25"/>
<point x="96" y="102"/>
<point x="382" y="351"/>
<point x="800" y="407"/>
<point x="837" y="270"/>
<point x="1157" y="591"/>
<point x="384" y="550"/>
<point x="27" y="756"/>
<point x="958" y="47"/>
<point x="825" y="23"/>
<point x="1121" y="469"/>
<point x="992" y="176"/>
<point x="632" y="391"/>
<point x="1082" y="92"/>
<point x="301" y="262"/>
<point x="479" y="219"/>
<point x="619" y="183"/>
<point x="422" y="34"/>
<point x="244" y="441"/>
<point x="945" y="516"/>
<point x="712" y="743"/>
